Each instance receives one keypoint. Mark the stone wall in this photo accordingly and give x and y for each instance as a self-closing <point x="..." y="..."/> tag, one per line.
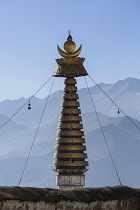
<point x="107" y="198"/>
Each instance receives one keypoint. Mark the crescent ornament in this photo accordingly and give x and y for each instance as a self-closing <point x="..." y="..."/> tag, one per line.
<point x="69" y="55"/>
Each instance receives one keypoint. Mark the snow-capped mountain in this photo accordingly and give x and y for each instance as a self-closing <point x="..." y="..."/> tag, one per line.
<point x="123" y="137"/>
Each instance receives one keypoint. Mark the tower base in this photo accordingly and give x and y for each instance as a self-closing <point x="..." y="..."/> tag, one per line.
<point x="70" y="182"/>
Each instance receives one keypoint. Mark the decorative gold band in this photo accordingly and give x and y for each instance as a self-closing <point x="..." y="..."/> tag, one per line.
<point x="70" y="155"/>
<point x="70" y="140"/>
<point x="70" y="81"/>
<point x="70" y="103"/>
<point x="70" y="147"/>
<point x="69" y="96"/>
<point x="70" y="133"/>
<point x="70" y="88"/>
<point x="70" y="125"/>
<point x="69" y="163"/>
<point x="70" y="111"/>
<point x="70" y="118"/>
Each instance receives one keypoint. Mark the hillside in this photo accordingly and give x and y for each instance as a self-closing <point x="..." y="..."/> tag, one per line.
<point x="122" y="136"/>
<point x="125" y="93"/>
<point x="123" y="140"/>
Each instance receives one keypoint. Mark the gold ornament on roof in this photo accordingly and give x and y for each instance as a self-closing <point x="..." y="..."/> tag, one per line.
<point x="70" y="64"/>
<point x="69" y="47"/>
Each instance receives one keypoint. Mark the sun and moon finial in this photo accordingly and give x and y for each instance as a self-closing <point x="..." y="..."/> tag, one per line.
<point x="69" y="47"/>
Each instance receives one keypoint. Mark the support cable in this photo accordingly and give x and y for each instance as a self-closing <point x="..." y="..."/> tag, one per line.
<point x="115" y="104"/>
<point x="36" y="134"/>
<point x="71" y="127"/>
<point x="103" y="134"/>
<point x="25" y="103"/>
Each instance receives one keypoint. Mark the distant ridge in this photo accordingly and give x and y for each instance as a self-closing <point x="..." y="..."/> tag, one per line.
<point x="122" y="136"/>
<point x="125" y="93"/>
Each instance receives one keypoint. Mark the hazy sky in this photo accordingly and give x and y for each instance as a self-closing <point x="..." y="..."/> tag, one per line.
<point x="30" y="30"/>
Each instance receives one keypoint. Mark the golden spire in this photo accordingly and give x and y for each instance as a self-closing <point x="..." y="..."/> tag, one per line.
<point x="70" y="163"/>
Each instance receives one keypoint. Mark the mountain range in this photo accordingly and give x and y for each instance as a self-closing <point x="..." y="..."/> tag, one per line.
<point x="123" y="137"/>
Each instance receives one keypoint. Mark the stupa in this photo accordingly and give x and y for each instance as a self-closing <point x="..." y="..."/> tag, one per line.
<point x="70" y="163"/>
